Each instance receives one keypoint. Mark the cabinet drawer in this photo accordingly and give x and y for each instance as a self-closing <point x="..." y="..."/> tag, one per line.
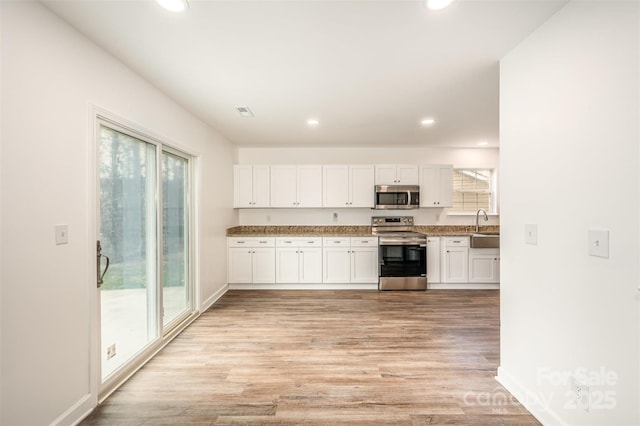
<point x="455" y="241"/>
<point x="336" y="242"/>
<point x="364" y="241"/>
<point x="299" y="242"/>
<point x="251" y="242"/>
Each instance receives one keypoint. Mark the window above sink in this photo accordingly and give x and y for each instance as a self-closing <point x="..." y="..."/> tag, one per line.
<point x="474" y="189"/>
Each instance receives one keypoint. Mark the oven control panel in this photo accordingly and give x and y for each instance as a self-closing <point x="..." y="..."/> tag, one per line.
<point x="392" y="221"/>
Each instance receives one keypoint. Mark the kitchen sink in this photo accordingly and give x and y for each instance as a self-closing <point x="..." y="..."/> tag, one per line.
<point x="485" y="240"/>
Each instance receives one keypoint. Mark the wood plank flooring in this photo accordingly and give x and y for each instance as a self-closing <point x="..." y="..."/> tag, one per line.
<point x="327" y="357"/>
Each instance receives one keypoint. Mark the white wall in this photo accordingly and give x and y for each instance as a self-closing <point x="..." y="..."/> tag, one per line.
<point x="472" y="158"/>
<point x="569" y="162"/>
<point x="50" y="77"/>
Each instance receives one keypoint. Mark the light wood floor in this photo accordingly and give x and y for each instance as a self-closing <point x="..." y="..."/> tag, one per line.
<point x="327" y="357"/>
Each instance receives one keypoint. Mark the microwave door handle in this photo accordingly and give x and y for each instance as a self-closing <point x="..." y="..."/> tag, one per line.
<point x="409" y="198"/>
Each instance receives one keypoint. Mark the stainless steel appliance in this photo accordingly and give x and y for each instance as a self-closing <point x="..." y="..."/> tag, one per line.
<point x="402" y="253"/>
<point x="397" y="197"/>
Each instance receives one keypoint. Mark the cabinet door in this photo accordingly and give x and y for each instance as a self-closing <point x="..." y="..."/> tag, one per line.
<point x="336" y="265"/>
<point x="309" y="182"/>
<point x="484" y="268"/>
<point x="239" y="265"/>
<point x="407" y="174"/>
<point x="429" y="186"/>
<point x="385" y="174"/>
<point x="364" y="265"/>
<point x="455" y="265"/>
<point x="283" y="186"/>
<point x="261" y="186"/>
<point x="436" y="185"/>
<point x="445" y="186"/>
<point x="263" y="265"/>
<point x="287" y="265"/>
<point x="361" y="183"/>
<point x="310" y="265"/>
<point x="335" y="186"/>
<point x="433" y="260"/>
<point x="242" y="186"/>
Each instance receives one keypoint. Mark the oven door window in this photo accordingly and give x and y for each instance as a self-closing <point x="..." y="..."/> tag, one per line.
<point x="392" y="198"/>
<point x="403" y="261"/>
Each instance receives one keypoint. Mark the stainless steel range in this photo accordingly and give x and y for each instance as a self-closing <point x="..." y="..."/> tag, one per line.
<point x="402" y="253"/>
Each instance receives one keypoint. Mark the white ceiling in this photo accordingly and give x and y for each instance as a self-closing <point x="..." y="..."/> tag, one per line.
<point x="368" y="70"/>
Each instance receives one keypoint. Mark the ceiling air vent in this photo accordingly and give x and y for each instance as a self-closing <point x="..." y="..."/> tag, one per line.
<point x="244" y="111"/>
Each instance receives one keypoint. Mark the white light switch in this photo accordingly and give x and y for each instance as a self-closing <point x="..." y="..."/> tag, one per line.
<point x="531" y="234"/>
<point x="62" y="234"/>
<point x="599" y="242"/>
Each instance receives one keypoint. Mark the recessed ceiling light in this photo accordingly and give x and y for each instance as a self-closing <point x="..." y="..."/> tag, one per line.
<point x="313" y="122"/>
<point x="438" y="4"/>
<point x="174" y="5"/>
<point x="483" y="143"/>
<point x="428" y="122"/>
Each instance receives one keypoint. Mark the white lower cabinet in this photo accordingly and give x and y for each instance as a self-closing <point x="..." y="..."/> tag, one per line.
<point x="336" y="263"/>
<point x="454" y="260"/>
<point x="484" y="265"/>
<point x="350" y="260"/>
<point x="364" y="260"/>
<point x="251" y="261"/>
<point x="433" y="260"/>
<point x="299" y="260"/>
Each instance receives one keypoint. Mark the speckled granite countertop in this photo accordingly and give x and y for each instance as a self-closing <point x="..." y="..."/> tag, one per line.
<point x="348" y="231"/>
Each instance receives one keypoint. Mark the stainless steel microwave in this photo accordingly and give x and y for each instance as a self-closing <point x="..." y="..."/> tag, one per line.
<point x="397" y="197"/>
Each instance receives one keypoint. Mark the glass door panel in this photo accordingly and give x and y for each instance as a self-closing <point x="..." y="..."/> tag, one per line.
<point x="128" y="235"/>
<point x="175" y="237"/>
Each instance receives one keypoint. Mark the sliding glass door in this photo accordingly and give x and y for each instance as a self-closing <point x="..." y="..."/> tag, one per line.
<point x="144" y="230"/>
<point x="175" y="237"/>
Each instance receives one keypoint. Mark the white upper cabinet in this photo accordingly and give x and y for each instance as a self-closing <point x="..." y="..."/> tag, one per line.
<point x="347" y="186"/>
<point x="250" y="186"/>
<point x="296" y="186"/>
<point x="436" y="185"/>
<point x="397" y="174"/>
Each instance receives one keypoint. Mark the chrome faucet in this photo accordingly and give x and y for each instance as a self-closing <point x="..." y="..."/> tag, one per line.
<point x="486" y="218"/>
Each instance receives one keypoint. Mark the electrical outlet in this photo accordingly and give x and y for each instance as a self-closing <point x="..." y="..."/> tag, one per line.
<point x="111" y="351"/>
<point x="582" y="397"/>
<point x="581" y="394"/>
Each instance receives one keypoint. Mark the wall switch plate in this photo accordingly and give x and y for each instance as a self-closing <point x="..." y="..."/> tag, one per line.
<point x="62" y="234"/>
<point x="531" y="234"/>
<point x="599" y="242"/>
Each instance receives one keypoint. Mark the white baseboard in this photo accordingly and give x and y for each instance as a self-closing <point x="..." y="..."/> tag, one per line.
<point x="528" y="398"/>
<point x="463" y="286"/>
<point x="213" y="298"/>
<point x="76" y="413"/>
<point x="346" y="286"/>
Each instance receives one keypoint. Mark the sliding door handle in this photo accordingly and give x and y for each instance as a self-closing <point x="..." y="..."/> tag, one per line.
<point x="99" y="256"/>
